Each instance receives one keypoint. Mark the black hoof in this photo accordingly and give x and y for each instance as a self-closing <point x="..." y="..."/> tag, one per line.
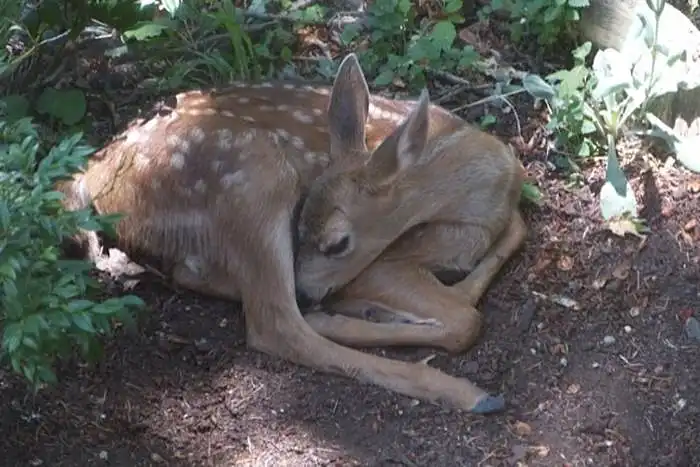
<point x="490" y="404"/>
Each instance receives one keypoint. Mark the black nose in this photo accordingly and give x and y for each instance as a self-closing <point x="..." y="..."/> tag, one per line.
<point x="303" y="300"/>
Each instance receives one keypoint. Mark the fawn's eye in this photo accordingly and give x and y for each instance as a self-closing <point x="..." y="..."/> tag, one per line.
<point x="338" y="248"/>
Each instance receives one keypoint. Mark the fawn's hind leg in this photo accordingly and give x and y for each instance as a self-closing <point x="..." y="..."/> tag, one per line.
<point x="197" y="277"/>
<point x="429" y="313"/>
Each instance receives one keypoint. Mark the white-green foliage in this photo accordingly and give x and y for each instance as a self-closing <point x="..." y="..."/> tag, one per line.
<point x="615" y="95"/>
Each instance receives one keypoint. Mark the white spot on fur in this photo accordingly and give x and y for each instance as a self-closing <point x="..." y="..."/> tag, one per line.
<point x="195" y="112"/>
<point x="248" y="119"/>
<point x="317" y="112"/>
<point x="244" y="139"/>
<point x="298" y="143"/>
<point x="283" y="108"/>
<point x="177" y="160"/>
<point x="200" y="186"/>
<point x="243" y="100"/>
<point x="197" y="135"/>
<point x="150" y="125"/>
<point x="302" y="117"/>
<point x="289" y="86"/>
<point x="178" y="143"/>
<point x="136" y="136"/>
<point x="141" y="160"/>
<point x="265" y="85"/>
<point x="225" y="139"/>
<point x="231" y="179"/>
<point x="195" y="264"/>
<point x="227" y="113"/>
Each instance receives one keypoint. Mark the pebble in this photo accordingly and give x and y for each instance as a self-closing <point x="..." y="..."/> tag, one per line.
<point x="563" y="361"/>
<point x="628" y="329"/>
<point x="608" y="340"/>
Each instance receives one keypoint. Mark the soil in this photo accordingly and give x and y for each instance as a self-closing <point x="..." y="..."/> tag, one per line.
<point x="581" y="336"/>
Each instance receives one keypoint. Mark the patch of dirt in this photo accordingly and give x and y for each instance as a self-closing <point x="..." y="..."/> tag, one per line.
<point x="581" y="337"/>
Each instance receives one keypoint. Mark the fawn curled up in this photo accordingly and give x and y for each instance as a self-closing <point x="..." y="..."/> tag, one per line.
<point x="393" y="192"/>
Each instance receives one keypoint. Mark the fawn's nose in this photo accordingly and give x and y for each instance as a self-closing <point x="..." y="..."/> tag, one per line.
<point x="303" y="299"/>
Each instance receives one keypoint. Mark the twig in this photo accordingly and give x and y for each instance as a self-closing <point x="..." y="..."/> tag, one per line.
<point x="454" y="79"/>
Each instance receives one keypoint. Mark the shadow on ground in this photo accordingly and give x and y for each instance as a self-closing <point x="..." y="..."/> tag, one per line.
<point x="581" y="337"/>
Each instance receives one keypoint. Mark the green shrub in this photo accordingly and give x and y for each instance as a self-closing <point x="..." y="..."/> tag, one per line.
<point x="46" y="307"/>
<point x="548" y="21"/>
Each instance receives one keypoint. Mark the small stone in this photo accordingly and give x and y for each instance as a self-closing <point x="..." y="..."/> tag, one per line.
<point x="608" y="340"/>
<point x="202" y="345"/>
<point x="573" y="389"/>
<point x="628" y="329"/>
<point x="563" y="362"/>
<point x="104" y="455"/>
<point x="596" y="365"/>
<point x="634" y="311"/>
<point x="522" y="428"/>
<point x="533" y="351"/>
<point x="157" y="458"/>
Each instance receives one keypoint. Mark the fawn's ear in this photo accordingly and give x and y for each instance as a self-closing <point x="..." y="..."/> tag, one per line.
<point x="404" y="146"/>
<point x="348" y="108"/>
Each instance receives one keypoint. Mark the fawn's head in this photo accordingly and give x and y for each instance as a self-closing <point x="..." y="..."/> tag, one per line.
<point x="346" y="220"/>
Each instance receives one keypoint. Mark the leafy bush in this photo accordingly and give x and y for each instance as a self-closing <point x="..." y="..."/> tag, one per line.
<point x="45" y="309"/>
<point x="400" y="49"/>
<point x="547" y="21"/>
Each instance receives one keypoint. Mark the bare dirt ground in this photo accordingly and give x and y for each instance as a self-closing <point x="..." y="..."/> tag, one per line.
<point x="581" y="336"/>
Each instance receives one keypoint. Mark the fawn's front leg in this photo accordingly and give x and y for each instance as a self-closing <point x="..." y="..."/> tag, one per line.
<point x="274" y="325"/>
<point x="428" y="312"/>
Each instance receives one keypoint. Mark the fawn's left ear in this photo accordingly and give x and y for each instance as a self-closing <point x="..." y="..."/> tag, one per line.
<point x="348" y="109"/>
<point x="404" y="146"/>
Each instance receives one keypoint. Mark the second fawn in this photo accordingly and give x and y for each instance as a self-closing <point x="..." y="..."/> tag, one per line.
<point x="262" y="192"/>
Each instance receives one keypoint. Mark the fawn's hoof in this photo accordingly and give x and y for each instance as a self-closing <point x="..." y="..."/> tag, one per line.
<point x="489" y="404"/>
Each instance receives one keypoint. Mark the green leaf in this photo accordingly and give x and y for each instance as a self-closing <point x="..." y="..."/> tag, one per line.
<point x="68" y="105"/>
<point x="384" y="78"/>
<point x="83" y="321"/>
<point x="588" y="127"/>
<point x="146" y="31"/>
<point x="444" y="34"/>
<point x="685" y="149"/>
<point x="12" y="337"/>
<point x="608" y="86"/>
<point x="616" y="197"/>
<point x="77" y="306"/>
<point x="132" y="300"/>
<point x="14" y="106"/>
<point x="537" y="87"/>
<point x="171" y="6"/>
<point x="531" y="193"/>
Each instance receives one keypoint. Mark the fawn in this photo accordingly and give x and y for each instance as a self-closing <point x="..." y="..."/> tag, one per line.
<point x="260" y="193"/>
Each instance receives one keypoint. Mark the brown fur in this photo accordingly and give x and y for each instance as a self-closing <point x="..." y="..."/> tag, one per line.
<point x="393" y="191"/>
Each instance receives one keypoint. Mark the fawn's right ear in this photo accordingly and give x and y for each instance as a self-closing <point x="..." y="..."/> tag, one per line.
<point x="348" y="108"/>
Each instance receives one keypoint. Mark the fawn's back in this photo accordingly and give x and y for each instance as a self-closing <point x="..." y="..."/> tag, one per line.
<point x="196" y="178"/>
